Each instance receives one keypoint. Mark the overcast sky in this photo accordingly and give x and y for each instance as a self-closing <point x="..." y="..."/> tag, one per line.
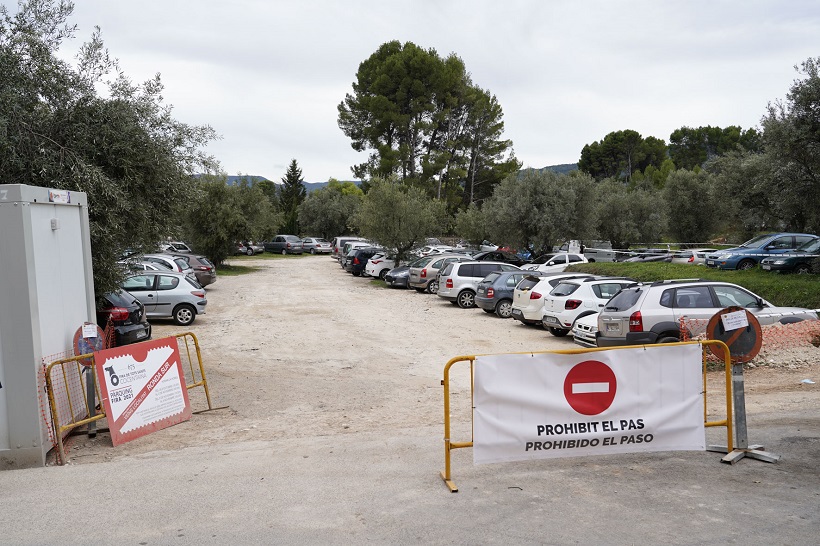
<point x="268" y="75"/>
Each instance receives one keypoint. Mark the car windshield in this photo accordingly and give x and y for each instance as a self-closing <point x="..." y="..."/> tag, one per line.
<point x="810" y="246"/>
<point x="757" y="241"/>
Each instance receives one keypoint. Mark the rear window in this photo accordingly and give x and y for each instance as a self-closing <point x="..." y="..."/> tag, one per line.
<point x="564" y="289"/>
<point x="120" y="299"/>
<point x="626" y="299"/>
<point x="448" y="269"/>
<point x="527" y="283"/>
<point x="491" y="277"/>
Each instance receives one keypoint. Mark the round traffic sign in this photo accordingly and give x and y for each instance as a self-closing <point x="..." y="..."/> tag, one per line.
<point x="84" y="345"/>
<point x="739" y="330"/>
<point x="590" y="387"/>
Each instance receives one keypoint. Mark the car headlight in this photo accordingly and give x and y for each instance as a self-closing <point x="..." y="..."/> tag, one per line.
<point x="725" y="256"/>
<point x="779" y="262"/>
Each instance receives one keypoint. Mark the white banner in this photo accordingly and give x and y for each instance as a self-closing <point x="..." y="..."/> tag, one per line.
<point x="619" y="401"/>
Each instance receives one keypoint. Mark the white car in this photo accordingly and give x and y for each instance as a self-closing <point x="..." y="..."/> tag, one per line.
<point x="572" y="299"/>
<point x="174" y="263"/>
<point x="378" y="265"/>
<point x="583" y="332"/>
<point x="434" y="249"/>
<point x="692" y="256"/>
<point x="528" y="302"/>
<point x="555" y="263"/>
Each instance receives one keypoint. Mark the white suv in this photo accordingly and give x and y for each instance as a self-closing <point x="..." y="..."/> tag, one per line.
<point x="458" y="281"/>
<point x="527" y="304"/>
<point x="652" y="313"/>
<point x="572" y="299"/>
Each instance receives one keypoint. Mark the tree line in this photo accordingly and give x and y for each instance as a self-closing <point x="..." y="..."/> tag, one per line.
<point x="437" y="161"/>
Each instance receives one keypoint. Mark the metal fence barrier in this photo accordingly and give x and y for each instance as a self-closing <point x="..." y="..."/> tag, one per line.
<point x="66" y="387"/>
<point x="450" y="445"/>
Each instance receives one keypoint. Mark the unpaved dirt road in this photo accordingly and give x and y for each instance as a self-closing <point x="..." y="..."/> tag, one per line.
<point x="333" y="434"/>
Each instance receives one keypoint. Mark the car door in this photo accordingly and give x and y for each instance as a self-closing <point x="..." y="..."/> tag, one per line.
<point x="142" y="288"/>
<point x="692" y="304"/>
<point x="164" y="294"/>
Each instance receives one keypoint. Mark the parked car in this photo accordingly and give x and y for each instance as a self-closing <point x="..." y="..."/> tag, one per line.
<point x="749" y="254"/>
<point x="572" y="299"/>
<point x="337" y="246"/>
<point x="458" y="281"/>
<point x="692" y="256"/>
<point x="284" y="244"/>
<point x="585" y="329"/>
<point x="399" y="276"/>
<point x="134" y="266"/>
<point x="652" y="313"/>
<point x="249" y="248"/>
<point x="650" y="255"/>
<point x="349" y="250"/>
<point x="177" y="263"/>
<point x="204" y="270"/>
<point x="316" y="245"/>
<point x="175" y="247"/>
<point x="168" y="295"/>
<point x="358" y="259"/>
<point x="379" y="264"/>
<point x="434" y="249"/>
<point x="554" y="263"/>
<point x="494" y="293"/>
<point x="423" y="275"/>
<point x="127" y="316"/>
<point x="804" y="259"/>
<point x="499" y="256"/>
<point x="528" y="303"/>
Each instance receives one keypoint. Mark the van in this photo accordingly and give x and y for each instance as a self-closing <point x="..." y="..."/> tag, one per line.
<point x="339" y="243"/>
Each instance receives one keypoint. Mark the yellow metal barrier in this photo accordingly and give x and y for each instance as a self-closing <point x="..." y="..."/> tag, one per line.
<point x="450" y="445"/>
<point x="68" y="395"/>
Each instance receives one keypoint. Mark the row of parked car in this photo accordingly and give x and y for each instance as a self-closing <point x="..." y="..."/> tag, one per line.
<point x="597" y="310"/>
<point x="166" y="285"/>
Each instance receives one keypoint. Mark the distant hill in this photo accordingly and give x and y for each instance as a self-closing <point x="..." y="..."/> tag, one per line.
<point x="313" y="186"/>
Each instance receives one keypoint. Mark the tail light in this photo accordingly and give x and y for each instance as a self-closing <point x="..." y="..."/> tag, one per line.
<point x="198" y="293"/>
<point x="424" y="273"/>
<point x="376" y="261"/>
<point x="449" y="283"/>
<point x="202" y="268"/>
<point x="636" y="322"/>
<point x="288" y="245"/>
<point x="572" y="304"/>
<point x="535" y="296"/>
<point x="118" y="313"/>
<point x="356" y="261"/>
<point x="490" y="292"/>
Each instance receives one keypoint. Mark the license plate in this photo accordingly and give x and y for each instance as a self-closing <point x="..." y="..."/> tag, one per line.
<point x="517" y="313"/>
<point x="710" y="262"/>
<point x="550" y="319"/>
<point x="612" y="328"/>
<point x="767" y="267"/>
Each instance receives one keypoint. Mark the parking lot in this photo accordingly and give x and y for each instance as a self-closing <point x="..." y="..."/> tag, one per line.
<point x="333" y="434"/>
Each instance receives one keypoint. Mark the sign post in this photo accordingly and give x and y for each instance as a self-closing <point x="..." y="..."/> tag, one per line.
<point x="741" y="332"/>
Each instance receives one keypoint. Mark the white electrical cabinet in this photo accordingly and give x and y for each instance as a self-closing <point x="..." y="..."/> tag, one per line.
<point x="46" y="294"/>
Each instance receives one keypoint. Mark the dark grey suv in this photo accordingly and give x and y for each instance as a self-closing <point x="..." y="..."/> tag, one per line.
<point x="494" y="293"/>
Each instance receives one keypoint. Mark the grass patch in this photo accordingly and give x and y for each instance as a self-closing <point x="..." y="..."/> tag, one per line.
<point x="234" y="270"/>
<point x="783" y="290"/>
<point x="378" y="283"/>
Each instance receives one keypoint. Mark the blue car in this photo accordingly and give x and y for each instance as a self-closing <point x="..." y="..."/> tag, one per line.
<point x="750" y="253"/>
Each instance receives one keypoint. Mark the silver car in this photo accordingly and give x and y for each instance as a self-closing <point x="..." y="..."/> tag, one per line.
<point x="423" y="275"/>
<point x="166" y="294"/>
<point x="316" y="245"/>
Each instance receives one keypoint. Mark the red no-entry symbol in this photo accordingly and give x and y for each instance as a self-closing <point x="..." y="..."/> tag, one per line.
<point x="590" y="387"/>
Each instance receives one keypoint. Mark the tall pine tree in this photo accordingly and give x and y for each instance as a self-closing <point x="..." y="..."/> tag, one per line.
<point x="291" y="195"/>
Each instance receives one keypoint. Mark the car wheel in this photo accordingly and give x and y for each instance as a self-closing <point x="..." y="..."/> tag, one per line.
<point x="745" y="265"/>
<point x="802" y="269"/>
<point x="313" y="251"/>
<point x="668" y="339"/>
<point x="466" y="299"/>
<point x="184" y="314"/>
<point x="249" y="252"/>
<point x="284" y="252"/>
<point x="558" y="332"/>
<point x="432" y="287"/>
<point x="504" y="309"/>
<point x="382" y="274"/>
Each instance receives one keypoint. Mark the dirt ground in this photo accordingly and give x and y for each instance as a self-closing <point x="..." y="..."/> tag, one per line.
<point x="302" y="350"/>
